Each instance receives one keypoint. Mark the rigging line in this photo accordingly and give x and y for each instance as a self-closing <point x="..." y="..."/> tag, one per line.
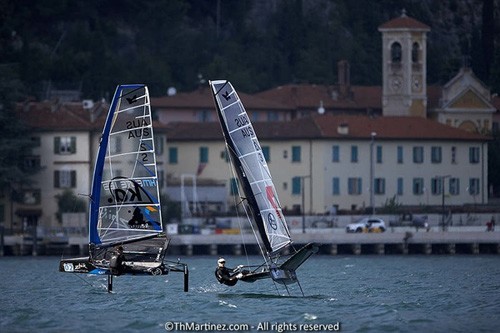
<point x="81" y="278"/>
<point x="248" y="171"/>
<point x="237" y="213"/>
<point x="246" y="214"/>
<point x="275" y="286"/>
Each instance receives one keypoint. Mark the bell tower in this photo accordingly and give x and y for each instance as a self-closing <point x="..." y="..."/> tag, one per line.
<point x="404" y="60"/>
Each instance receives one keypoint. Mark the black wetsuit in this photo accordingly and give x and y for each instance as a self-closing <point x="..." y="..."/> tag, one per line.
<point x="116" y="263"/>
<point x="223" y="275"/>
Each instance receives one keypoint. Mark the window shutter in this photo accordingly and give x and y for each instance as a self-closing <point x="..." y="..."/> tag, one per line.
<point x="57" y="144"/>
<point x="73" y="178"/>
<point x="56" y="179"/>
<point x="73" y="145"/>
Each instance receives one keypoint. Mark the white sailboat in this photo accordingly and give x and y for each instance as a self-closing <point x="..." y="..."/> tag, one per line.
<point x="125" y="209"/>
<point x="259" y="196"/>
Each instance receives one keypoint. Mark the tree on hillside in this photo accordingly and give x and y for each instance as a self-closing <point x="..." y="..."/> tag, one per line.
<point x="15" y="145"/>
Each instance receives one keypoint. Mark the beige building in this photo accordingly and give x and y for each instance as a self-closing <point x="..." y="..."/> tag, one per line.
<point x="324" y="161"/>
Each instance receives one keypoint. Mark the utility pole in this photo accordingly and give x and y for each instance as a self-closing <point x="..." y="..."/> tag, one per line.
<point x="442" y="201"/>
<point x="372" y="174"/>
<point x="302" y="183"/>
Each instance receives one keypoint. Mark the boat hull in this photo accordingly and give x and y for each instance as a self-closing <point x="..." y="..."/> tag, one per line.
<point x="85" y="266"/>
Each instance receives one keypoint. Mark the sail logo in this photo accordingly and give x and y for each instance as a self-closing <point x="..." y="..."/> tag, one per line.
<point x="226" y="95"/>
<point x="272" y="221"/>
<point x="272" y="200"/>
<point x="129" y="192"/>
<point x="131" y="100"/>
<point x="138" y="222"/>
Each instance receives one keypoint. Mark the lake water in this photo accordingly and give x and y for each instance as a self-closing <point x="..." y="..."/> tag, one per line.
<point x="349" y="293"/>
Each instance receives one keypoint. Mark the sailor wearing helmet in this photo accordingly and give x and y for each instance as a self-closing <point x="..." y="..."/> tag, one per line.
<point x="224" y="275"/>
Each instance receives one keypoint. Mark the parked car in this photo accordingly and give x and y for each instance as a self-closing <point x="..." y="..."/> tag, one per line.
<point x="420" y="222"/>
<point x="367" y="224"/>
<point x="409" y="220"/>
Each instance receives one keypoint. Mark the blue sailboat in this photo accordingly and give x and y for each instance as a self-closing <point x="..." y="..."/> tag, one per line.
<point x="125" y="226"/>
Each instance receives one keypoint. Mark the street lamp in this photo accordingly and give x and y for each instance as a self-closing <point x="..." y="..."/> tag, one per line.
<point x="372" y="179"/>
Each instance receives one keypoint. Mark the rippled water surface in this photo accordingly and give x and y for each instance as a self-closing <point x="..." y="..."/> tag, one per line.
<point x="353" y="293"/>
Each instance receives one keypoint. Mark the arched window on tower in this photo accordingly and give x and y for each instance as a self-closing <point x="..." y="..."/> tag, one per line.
<point x="415" y="50"/>
<point x="396" y="52"/>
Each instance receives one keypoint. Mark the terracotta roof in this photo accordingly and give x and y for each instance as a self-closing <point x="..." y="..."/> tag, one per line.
<point x="392" y="128"/>
<point x="202" y="99"/>
<point x="326" y="127"/>
<point x="55" y="116"/>
<point x="404" y="22"/>
<point x="295" y="97"/>
<point x="309" y="96"/>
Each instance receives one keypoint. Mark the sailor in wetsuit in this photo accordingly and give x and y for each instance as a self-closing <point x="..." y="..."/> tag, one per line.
<point x="116" y="263"/>
<point x="223" y="274"/>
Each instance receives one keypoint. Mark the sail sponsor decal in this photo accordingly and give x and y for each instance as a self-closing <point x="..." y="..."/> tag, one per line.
<point x="125" y="190"/>
<point x="139" y="222"/>
<point x="271" y="219"/>
<point x="272" y="201"/>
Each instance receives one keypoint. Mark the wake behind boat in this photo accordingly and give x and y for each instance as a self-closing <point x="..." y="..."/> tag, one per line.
<point x="258" y="194"/>
<point x="125" y="226"/>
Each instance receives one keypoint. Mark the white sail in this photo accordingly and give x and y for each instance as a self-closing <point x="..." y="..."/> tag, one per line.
<point x="251" y="167"/>
<point x="125" y="194"/>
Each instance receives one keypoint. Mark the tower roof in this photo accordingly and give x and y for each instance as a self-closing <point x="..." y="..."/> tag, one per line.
<point x="404" y="22"/>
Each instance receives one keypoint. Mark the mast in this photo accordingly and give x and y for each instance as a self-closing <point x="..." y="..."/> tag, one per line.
<point x="97" y="177"/>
